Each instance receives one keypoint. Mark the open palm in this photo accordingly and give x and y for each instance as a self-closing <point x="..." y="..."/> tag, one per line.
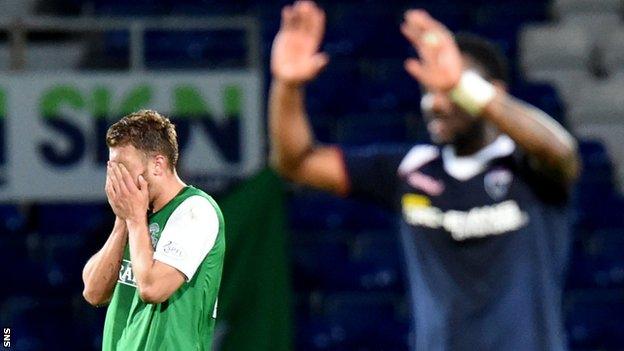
<point x="295" y="58"/>
<point x="439" y="66"/>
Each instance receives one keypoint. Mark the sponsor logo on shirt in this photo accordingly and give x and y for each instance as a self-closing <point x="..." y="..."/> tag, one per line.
<point x="497" y="183"/>
<point x="126" y="276"/>
<point x="172" y="250"/>
<point x="475" y="223"/>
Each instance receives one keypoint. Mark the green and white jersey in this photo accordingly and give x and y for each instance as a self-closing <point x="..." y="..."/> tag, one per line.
<point x="187" y="234"/>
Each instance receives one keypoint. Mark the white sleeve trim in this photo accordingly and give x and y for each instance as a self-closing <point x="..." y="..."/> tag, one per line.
<point x="188" y="236"/>
<point x="417" y="157"/>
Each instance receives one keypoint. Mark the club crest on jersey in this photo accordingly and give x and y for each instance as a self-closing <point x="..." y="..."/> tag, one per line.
<point x="154" y="229"/>
<point x="497" y="183"/>
<point x="425" y="183"/>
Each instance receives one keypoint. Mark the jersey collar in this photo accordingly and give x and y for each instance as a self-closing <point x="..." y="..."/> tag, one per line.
<point x="465" y="167"/>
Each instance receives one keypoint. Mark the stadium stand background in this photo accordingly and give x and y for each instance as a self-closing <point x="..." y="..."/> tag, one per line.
<point x="567" y="58"/>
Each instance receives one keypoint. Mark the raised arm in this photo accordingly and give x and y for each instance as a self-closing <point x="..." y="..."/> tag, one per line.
<point x="552" y="150"/>
<point x="295" y="60"/>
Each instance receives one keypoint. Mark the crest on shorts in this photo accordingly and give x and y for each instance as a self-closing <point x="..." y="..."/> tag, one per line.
<point x="497" y="183"/>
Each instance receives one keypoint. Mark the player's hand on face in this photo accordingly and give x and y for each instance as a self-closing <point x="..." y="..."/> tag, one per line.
<point x="111" y="189"/>
<point x="294" y="57"/>
<point x="129" y="201"/>
<point x="439" y="66"/>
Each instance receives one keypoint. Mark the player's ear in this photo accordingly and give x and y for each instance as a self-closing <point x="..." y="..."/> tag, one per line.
<point x="160" y="165"/>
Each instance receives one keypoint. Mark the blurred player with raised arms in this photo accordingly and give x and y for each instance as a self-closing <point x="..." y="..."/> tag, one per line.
<point x="160" y="268"/>
<point x="484" y="211"/>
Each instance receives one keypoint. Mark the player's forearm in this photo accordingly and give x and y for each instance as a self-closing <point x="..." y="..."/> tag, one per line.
<point x="537" y="133"/>
<point x="102" y="270"/>
<point x="141" y="252"/>
<point x="291" y="134"/>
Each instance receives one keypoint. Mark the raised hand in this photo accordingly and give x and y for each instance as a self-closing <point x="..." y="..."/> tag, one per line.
<point x="295" y="58"/>
<point x="439" y="66"/>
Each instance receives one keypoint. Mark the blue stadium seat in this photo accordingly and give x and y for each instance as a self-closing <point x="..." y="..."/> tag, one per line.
<point x="38" y="324"/>
<point x="597" y="260"/>
<point x="368" y="128"/>
<point x="314" y="211"/>
<point x="12" y="219"/>
<point x="65" y="218"/>
<point x="320" y="211"/>
<point x="455" y="14"/>
<point x="595" y="159"/>
<point x="362" y="276"/>
<point x="195" y="49"/>
<point x="359" y="317"/>
<point x="315" y="263"/>
<point x="207" y="7"/>
<point x="26" y="276"/>
<point x="601" y="211"/>
<point x="506" y="12"/>
<point x="380" y="249"/>
<point x="129" y="8"/>
<point x="388" y="88"/>
<point x="332" y="92"/>
<point x="315" y="333"/>
<point x="594" y="320"/>
<point x="112" y="52"/>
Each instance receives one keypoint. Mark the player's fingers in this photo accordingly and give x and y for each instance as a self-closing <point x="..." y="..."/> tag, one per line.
<point x="415" y="69"/>
<point x="107" y="184"/>
<point x="320" y="60"/>
<point x="434" y="24"/>
<point x="427" y="44"/>
<point x="309" y="12"/>
<point x="118" y="179"/>
<point x="318" y="24"/>
<point x="412" y="19"/>
<point x="127" y="178"/>
<point x="142" y="184"/>
<point x="421" y="20"/>
<point x="297" y="18"/>
<point x="428" y="27"/>
<point x="108" y="188"/>
<point x="305" y="11"/>
<point x="113" y="181"/>
<point x="428" y="49"/>
<point x="106" y="180"/>
<point x="410" y="32"/>
<point x="319" y="21"/>
<point x="287" y="17"/>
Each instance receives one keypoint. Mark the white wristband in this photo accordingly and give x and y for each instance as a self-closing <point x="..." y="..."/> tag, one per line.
<point x="472" y="93"/>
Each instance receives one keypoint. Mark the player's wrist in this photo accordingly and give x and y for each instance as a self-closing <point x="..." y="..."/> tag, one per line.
<point x="120" y="231"/>
<point x="472" y="93"/>
<point x="135" y="221"/>
<point x="120" y="223"/>
<point x="288" y="83"/>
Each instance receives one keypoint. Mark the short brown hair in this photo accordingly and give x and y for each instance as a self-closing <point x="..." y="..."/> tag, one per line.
<point x="148" y="131"/>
